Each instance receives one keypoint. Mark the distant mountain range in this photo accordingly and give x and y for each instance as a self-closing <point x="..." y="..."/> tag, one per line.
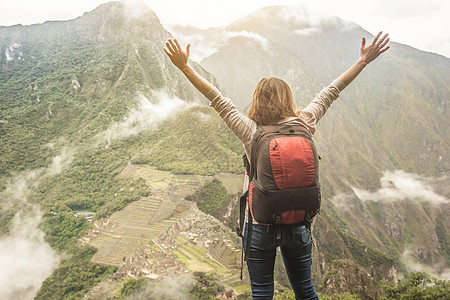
<point x="393" y="117"/>
<point x="96" y="93"/>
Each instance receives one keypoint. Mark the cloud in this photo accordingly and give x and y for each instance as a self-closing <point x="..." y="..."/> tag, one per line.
<point x="307" y="31"/>
<point x="200" y="47"/>
<point x="412" y="264"/>
<point x="60" y="161"/>
<point x="18" y="186"/>
<point x="25" y="258"/>
<point x="176" y="287"/>
<point x="146" y="116"/>
<point x="205" y="43"/>
<point x="399" y="185"/>
<point x="250" y="35"/>
<point x="17" y="189"/>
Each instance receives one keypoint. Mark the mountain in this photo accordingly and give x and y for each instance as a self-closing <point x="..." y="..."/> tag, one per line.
<point x="381" y="143"/>
<point x="84" y="101"/>
<point x="76" y="77"/>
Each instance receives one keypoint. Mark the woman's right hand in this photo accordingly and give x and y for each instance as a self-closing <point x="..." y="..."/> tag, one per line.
<point x="368" y="54"/>
<point x="177" y="56"/>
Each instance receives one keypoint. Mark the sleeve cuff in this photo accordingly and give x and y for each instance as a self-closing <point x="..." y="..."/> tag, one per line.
<point x="213" y="94"/>
<point x="338" y="84"/>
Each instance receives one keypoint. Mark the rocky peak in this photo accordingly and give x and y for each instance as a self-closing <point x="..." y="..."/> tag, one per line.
<point x="137" y="10"/>
<point x="115" y="20"/>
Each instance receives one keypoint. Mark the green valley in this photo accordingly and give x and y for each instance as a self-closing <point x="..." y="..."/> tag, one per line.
<point x="134" y="180"/>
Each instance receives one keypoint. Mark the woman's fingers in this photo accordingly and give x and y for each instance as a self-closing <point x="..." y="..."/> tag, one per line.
<point x="382" y="39"/>
<point x="384" y="43"/>
<point x="168" y="53"/>
<point x="169" y="47"/>
<point x="375" y="39"/>
<point x="177" y="45"/>
<point x="383" y="50"/>
<point x="174" y="47"/>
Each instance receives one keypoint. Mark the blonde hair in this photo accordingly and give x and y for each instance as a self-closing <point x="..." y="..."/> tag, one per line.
<point x="272" y="102"/>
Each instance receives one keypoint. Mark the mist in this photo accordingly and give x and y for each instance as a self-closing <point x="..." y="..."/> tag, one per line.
<point x="25" y="257"/>
<point x="174" y="288"/>
<point x="60" y="161"/>
<point x="302" y="20"/>
<point x="399" y="185"/>
<point x="402" y="186"/>
<point x="146" y="116"/>
<point x="17" y="189"/>
<point x="411" y="264"/>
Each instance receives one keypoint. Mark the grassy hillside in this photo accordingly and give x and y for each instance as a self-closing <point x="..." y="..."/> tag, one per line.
<point x="394" y="116"/>
<point x="195" y="142"/>
<point x="81" y="100"/>
<point x="63" y="85"/>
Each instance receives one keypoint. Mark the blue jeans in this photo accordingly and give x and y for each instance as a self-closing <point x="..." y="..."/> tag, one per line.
<point x="296" y="247"/>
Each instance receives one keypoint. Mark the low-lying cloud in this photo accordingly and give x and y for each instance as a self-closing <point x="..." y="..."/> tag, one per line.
<point x="399" y="185"/>
<point x="207" y="42"/>
<point x="25" y="258"/>
<point x="174" y="288"/>
<point x="412" y="264"/>
<point x="60" y="161"/>
<point x="17" y="189"/>
<point x="146" y="116"/>
<point x="301" y="20"/>
<point x="250" y="35"/>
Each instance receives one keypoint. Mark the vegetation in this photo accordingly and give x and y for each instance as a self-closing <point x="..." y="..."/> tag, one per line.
<point x="364" y="254"/>
<point x="206" y="287"/>
<point x="68" y="82"/>
<point x="196" y="142"/>
<point x="75" y="276"/>
<point x="444" y="237"/>
<point x="133" y="286"/>
<point x="416" y="285"/>
<point x="62" y="228"/>
<point x="212" y="198"/>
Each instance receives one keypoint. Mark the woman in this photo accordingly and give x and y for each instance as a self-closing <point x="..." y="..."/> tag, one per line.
<point x="272" y="103"/>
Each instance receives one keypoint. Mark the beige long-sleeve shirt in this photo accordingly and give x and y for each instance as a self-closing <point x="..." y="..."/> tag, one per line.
<point x="245" y="128"/>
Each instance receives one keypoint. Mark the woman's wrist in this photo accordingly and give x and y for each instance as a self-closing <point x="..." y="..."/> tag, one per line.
<point x="363" y="62"/>
<point x="185" y="68"/>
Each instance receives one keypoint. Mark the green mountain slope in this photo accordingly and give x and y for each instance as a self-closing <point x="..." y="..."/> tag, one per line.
<point x="78" y="100"/>
<point x="393" y="117"/>
<point x="81" y="99"/>
<point x="72" y="79"/>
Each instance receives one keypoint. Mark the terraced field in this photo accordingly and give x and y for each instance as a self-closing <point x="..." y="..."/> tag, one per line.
<point x="197" y="259"/>
<point x="143" y="222"/>
<point x="127" y="230"/>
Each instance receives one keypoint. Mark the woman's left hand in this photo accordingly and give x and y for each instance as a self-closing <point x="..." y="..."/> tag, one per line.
<point x="375" y="49"/>
<point x="178" y="57"/>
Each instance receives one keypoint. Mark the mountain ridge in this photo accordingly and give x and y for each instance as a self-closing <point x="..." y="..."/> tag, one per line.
<point x="57" y="97"/>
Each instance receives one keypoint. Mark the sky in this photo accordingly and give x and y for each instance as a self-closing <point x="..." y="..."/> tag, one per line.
<point x="422" y="24"/>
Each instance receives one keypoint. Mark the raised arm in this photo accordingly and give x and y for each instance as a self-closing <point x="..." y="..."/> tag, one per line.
<point x="368" y="54"/>
<point x="180" y="59"/>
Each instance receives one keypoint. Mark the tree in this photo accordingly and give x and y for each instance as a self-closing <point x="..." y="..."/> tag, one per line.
<point x="416" y="285"/>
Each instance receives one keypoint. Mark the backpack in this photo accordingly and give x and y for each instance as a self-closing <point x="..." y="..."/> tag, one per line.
<point x="284" y="187"/>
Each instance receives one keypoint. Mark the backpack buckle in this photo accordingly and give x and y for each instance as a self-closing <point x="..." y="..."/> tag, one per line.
<point x="278" y="219"/>
<point x="238" y="231"/>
